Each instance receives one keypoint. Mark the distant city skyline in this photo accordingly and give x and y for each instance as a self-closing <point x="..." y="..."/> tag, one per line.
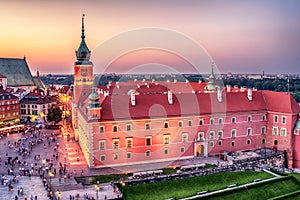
<point x="239" y="36"/>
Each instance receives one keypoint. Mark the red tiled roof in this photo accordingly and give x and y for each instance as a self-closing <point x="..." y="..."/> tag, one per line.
<point x="156" y="105"/>
<point x="281" y="102"/>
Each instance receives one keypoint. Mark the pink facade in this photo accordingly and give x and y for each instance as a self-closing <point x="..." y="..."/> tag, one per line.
<point x="146" y="122"/>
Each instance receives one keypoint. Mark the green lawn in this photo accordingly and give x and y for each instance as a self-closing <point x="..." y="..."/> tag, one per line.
<point x="266" y="191"/>
<point x="189" y="186"/>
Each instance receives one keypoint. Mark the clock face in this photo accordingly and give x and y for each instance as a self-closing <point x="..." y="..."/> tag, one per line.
<point x="83" y="72"/>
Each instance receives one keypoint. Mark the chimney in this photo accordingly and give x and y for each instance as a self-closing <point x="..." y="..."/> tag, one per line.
<point x="249" y="94"/>
<point x="170" y="97"/>
<point x="132" y="98"/>
<point x="219" y="94"/>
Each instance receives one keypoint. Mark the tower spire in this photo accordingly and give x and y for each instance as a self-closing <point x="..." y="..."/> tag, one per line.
<point x="83" y="53"/>
<point x="82" y="27"/>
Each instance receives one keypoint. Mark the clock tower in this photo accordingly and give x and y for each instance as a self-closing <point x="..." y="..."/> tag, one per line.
<point x="83" y="76"/>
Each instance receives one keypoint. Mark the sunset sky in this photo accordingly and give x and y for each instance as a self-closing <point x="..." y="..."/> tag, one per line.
<point x="248" y="36"/>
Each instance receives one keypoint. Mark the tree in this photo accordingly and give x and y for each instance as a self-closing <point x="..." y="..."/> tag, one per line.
<point x="54" y="114"/>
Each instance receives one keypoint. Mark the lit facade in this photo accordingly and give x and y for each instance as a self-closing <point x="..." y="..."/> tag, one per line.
<point x="146" y="122"/>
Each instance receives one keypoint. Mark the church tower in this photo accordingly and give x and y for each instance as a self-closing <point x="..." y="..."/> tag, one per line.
<point x="83" y="76"/>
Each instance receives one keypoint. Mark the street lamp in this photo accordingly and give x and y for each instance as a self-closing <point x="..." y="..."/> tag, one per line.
<point x="50" y="175"/>
<point x="58" y="193"/>
<point x="97" y="187"/>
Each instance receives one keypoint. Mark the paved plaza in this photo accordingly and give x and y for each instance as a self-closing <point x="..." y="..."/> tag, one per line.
<point x="44" y="150"/>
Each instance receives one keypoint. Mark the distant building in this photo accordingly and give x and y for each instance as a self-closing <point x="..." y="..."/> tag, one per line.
<point x="10" y="112"/>
<point x="34" y="106"/>
<point x="17" y="73"/>
<point x="146" y="122"/>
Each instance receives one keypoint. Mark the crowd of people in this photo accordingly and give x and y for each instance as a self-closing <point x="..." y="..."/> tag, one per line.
<point x="31" y="153"/>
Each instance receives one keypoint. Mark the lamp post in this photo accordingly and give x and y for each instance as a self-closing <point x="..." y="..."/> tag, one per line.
<point x="50" y="175"/>
<point x="97" y="187"/>
<point x="58" y="194"/>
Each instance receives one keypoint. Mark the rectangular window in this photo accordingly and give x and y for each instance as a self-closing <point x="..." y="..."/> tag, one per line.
<point x="248" y="141"/>
<point x="275" y="118"/>
<point x="115" y="156"/>
<point x="190" y="122"/>
<point x="116" y="143"/>
<point x="148" y="153"/>
<point x="233" y="133"/>
<point x="220" y="143"/>
<point x="220" y="134"/>
<point x="264" y="117"/>
<point x="211" y="121"/>
<point x="180" y="124"/>
<point x="211" y="143"/>
<point x="263" y="130"/>
<point x="249" y="118"/>
<point x="166" y="124"/>
<point x="167" y="139"/>
<point x="184" y="137"/>
<point x="128" y="154"/>
<point x="201" y="136"/>
<point x="102" y="144"/>
<point x="148" y="141"/>
<point x="232" y="143"/>
<point x="233" y="119"/>
<point x="211" y="135"/>
<point x="283" y="131"/>
<point x="275" y="131"/>
<point x="182" y="149"/>
<point x="129" y="142"/>
<point x="101" y="129"/>
<point x="128" y="127"/>
<point x="147" y="126"/>
<point x="166" y="151"/>
<point x="263" y="141"/>
<point x="115" y="128"/>
<point x="201" y="122"/>
<point x="249" y="131"/>
<point x="220" y="120"/>
<point x="284" y="120"/>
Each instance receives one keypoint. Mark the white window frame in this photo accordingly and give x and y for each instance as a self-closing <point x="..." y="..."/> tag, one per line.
<point x="283" y="119"/>
<point x="115" y="127"/>
<point x="274" y="130"/>
<point x="219" y="143"/>
<point x="201" y="122"/>
<point x="102" y="147"/>
<point x="146" y="126"/>
<point x="249" y="131"/>
<point x="167" y="139"/>
<point x="148" y="137"/>
<point x="263" y="130"/>
<point x="220" y="137"/>
<point x="180" y="124"/>
<point x="199" y="136"/>
<point x="211" y="135"/>
<point x="283" y="129"/>
<point x="127" y="142"/>
<point x="248" y="141"/>
<point x="114" y="142"/>
<point x="275" y="120"/>
<point x="233" y="120"/>
<point x="185" y="137"/>
<point x="233" y="133"/>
